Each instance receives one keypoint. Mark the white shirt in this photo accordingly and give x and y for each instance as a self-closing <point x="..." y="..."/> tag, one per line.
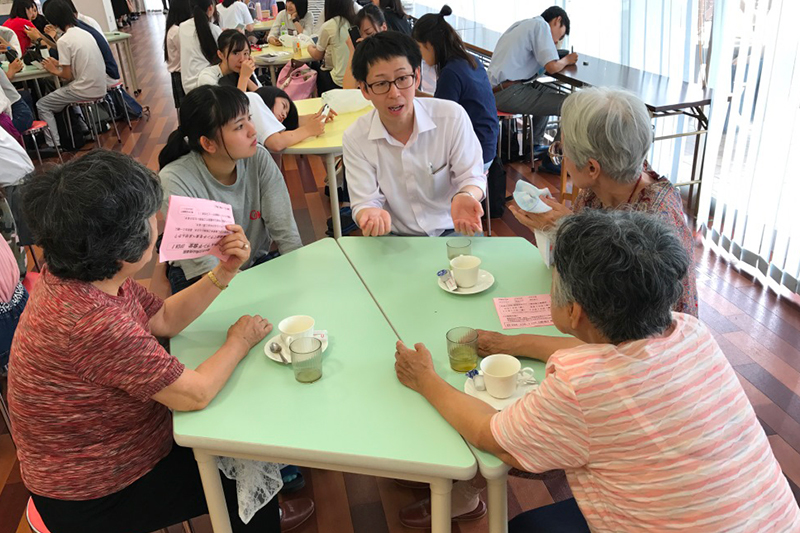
<point x="333" y="41"/>
<point x="91" y="22"/>
<point x="318" y="8"/>
<point x="174" y="49"/>
<point x="192" y="58"/>
<point x="8" y="88"/>
<point x="78" y="50"/>
<point x="9" y="35"/>
<point x="15" y="163"/>
<point x="237" y="13"/>
<point x="415" y="182"/>
<point x="522" y="51"/>
<point x="211" y="76"/>
<point x="263" y="119"/>
<point x="306" y="22"/>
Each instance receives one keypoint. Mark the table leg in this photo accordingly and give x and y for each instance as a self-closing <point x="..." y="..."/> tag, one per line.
<point x="212" y="486"/>
<point x="441" y="501"/>
<point x="134" y="79"/>
<point x="497" y="500"/>
<point x="330" y="164"/>
<point x="121" y="65"/>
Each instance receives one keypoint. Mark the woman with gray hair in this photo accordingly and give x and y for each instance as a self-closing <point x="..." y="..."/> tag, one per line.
<point x="646" y="416"/>
<point x="606" y="134"/>
<point x="90" y="387"/>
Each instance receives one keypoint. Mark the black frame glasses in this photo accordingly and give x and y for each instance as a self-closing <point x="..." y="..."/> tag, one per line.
<point x="385" y="85"/>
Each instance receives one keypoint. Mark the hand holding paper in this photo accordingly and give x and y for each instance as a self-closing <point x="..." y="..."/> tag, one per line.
<point x="196" y="227"/>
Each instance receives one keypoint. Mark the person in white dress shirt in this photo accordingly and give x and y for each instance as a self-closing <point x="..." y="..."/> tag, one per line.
<point x="414" y="166"/>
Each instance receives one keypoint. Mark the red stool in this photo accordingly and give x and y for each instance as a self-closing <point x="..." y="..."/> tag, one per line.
<point x="34" y="520"/>
<point x="41" y="125"/>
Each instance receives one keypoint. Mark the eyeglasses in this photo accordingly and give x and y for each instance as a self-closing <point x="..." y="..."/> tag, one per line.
<point x="556" y="152"/>
<point x="401" y="82"/>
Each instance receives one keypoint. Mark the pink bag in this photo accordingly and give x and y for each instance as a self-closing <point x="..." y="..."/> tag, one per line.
<point x="298" y="80"/>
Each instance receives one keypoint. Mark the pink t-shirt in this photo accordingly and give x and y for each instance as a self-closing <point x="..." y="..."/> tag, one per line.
<point x="654" y="435"/>
<point x="9" y="272"/>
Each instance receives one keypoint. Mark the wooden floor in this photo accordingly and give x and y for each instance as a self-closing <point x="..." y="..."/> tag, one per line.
<point x="758" y="331"/>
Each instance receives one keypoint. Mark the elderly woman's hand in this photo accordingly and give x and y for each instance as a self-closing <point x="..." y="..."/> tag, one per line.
<point x="236" y="246"/>
<point x="413" y="367"/>
<point x="249" y="330"/>
<point x="541" y="221"/>
<point x="490" y="343"/>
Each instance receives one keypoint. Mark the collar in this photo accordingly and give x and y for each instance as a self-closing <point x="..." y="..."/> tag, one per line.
<point x="422" y="123"/>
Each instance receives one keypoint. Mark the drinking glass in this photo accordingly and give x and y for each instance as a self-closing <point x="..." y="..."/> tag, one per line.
<point x="458" y="246"/>
<point x="306" y="359"/>
<point x="462" y="348"/>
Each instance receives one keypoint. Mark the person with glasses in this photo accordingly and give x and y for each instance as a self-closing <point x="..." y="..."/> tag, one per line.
<point x="414" y="166"/>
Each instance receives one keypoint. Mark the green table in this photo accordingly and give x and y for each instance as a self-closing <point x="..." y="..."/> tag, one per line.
<point x="33" y="73"/>
<point x="400" y="272"/>
<point x="357" y="418"/>
<point x="118" y="38"/>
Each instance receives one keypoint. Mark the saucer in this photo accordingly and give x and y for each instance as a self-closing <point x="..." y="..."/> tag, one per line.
<point x="485" y="280"/>
<point x="321" y="335"/>
<point x="498" y="403"/>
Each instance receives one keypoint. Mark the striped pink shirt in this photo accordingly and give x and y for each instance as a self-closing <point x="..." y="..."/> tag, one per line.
<point x="654" y="435"/>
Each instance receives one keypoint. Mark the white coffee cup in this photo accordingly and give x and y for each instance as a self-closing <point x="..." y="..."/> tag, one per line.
<point x="465" y="270"/>
<point x="295" y="327"/>
<point x="501" y="374"/>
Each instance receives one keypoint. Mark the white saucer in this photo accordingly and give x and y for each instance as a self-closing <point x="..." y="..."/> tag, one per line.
<point x="485" y="280"/>
<point x="321" y="335"/>
<point x="497" y="403"/>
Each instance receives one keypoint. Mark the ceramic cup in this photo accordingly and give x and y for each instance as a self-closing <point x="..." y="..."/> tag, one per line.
<point x="295" y="327"/>
<point x="465" y="270"/>
<point x="501" y="374"/>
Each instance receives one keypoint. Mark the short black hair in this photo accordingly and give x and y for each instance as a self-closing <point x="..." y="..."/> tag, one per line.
<point x="59" y="13"/>
<point x="554" y="12"/>
<point x="625" y="269"/>
<point x="383" y="47"/>
<point x="92" y="213"/>
<point x="19" y="9"/>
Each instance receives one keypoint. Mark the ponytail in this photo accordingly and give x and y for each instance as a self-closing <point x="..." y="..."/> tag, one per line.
<point x="203" y="112"/>
<point x="433" y="29"/>
<point x="208" y="45"/>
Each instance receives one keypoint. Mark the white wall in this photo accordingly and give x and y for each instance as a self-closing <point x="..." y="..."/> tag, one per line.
<point x="100" y="10"/>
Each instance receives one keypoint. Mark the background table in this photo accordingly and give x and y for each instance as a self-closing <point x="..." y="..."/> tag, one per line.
<point x="329" y="145"/>
<point x="116" y="38"/>
<point x="400" y="273"/>
<point x="356" y="418"/>
<point x="33" y="73"/>
<point x="273" y="64"/>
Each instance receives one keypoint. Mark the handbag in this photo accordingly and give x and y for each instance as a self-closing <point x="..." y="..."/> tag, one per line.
<point x="298" y="80"/>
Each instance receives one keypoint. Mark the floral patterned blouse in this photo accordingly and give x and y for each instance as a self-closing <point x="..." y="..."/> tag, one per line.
<point x="659" y="198"/>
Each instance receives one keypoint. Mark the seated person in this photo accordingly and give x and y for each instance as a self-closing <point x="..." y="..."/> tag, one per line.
<point x="85" y="23"/>
<point x="13" y="295"/>
<point x="198" y="42"/>
<point x="606" y="135"/>
<point x="21" y="113"/>
<point x="277" y="124"/>
<point x="19" y="20"/>
<point x="235" y="65"/>
<point x="331" y="47"/>
<point x="89" y="332"/>
<point x="214" y="154"/>
<point x="396" y="18"/>
<point x="647" y="417"/>
<point x="414" y="165"/>
<point x="526" y="48"/>
<point x="234" y="15"/>
<point x="459" y="77"/>
<point x="296" y="19"/>
<point x="80" y="62"/>
<point x="369" y="20"/>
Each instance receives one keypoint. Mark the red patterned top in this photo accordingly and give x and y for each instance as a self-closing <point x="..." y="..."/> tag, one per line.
<point x="82" y="370"/>
<point x="659" y="198"/>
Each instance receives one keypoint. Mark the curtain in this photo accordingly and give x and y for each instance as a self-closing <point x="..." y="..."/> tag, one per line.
<point x="749" y="191"/>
